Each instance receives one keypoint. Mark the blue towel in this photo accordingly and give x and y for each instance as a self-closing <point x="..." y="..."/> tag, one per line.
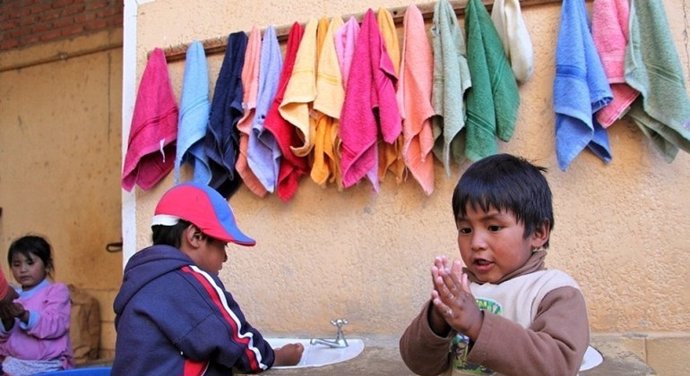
<point x="263" y="154"/>
<point x="580" y="88"/>
<point x="653" y="68"/>
<point x="194" y="112"/>
<point x="222" y="139"/>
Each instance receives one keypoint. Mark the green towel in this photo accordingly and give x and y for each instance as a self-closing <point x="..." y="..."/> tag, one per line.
<point x="493" y="100"/>
<point x="653" y="68"/>
<point x="451" y="80"/>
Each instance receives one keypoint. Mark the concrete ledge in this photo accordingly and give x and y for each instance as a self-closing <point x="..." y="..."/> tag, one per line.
<point x="382" y="358"/>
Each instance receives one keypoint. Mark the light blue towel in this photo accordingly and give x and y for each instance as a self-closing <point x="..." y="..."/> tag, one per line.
<point x="580" y="88"/>
<point x="263" y="152"/>
<point x="653" y="68"/>
<point x="194" y="112"/>
<point x="451" y="80"/>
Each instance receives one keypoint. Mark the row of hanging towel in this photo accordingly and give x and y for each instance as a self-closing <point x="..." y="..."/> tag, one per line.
<point x="347" y="103"/>
<point x="626" y="64"/>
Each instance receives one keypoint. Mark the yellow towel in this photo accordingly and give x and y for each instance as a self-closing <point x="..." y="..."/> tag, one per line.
<point x="327" y="105"/>
<point x="301" y="90"/>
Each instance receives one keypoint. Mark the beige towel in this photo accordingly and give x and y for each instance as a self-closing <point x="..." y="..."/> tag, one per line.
<point x="507" y="18"/>
<point x="301" y="89"/>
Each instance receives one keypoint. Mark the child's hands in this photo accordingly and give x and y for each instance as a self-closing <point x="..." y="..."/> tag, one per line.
<point x="288" y="355"/>
<point x="8" y="311"/>
<point x="453" y="300"/>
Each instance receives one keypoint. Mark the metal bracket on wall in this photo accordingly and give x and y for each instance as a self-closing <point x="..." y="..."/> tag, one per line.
<point x="114" y="247"/>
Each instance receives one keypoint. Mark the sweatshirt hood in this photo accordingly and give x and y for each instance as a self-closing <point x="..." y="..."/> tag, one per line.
<point x="144" y="267"/>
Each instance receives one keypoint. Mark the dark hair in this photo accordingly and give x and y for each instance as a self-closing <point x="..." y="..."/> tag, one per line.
<point x="169" y="235"/>
<point x="32" y="244"/>
<point x="506" y="183"/>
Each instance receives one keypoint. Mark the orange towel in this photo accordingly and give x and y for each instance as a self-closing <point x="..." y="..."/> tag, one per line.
<point x="250" y="83"/>
<point x="390" y="155"/>
<point x="416" y="79"/>
<point x="327" y="106"/>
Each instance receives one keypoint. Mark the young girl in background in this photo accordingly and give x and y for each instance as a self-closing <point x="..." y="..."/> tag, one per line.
<point x="34" y="338"/>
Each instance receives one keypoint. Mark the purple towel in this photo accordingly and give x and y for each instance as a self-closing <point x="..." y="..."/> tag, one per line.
<point x="263" y="154"/>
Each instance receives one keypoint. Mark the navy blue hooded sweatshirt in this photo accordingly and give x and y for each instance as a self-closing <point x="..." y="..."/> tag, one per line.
<point x="174" y="319"/>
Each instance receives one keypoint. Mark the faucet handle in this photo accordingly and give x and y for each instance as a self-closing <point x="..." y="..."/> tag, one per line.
<point x="338" y="323"/>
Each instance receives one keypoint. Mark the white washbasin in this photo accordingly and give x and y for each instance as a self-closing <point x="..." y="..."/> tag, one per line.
<point x="592" y="359"/>
<point x="318" y="355"/>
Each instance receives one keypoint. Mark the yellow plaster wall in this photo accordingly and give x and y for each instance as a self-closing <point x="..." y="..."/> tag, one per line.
<point x="60" y="133"/>
<point x="622" y="230"/>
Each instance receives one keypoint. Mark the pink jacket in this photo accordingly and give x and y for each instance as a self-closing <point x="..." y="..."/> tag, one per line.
<point x="46" y="336"/>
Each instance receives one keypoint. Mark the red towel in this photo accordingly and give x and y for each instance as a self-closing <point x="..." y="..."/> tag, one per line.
<point x="371" y="88"/>
<point x="292" y="167"/>
<point x="151" y="147"/>
<point x="4" y="286"/>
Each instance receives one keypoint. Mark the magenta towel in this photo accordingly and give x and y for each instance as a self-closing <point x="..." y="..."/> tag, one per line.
<point x="370" y="90"/>
<point x="610" y="34"/>
<point x="151" y="146"/>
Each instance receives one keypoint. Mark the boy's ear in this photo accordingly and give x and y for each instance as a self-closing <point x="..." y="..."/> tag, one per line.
<point x="541" y="234"/>
<point x="192" y="236"/>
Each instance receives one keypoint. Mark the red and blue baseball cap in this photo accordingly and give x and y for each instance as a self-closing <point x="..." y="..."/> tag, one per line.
<point x="205" y="208"/>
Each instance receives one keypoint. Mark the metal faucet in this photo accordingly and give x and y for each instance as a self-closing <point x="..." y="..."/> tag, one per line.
<point x="339" y="341"/>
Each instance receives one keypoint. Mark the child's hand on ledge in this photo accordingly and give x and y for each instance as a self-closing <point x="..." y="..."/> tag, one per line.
<point x="288" y="355"/>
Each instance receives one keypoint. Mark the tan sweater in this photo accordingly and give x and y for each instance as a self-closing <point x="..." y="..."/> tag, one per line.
<point x="553" y="342"/>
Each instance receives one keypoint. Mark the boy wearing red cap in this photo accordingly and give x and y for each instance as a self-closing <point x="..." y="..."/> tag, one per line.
<point x="173" y="314"/>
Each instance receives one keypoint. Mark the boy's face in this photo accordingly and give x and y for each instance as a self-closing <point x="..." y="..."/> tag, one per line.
<point x="492" y="244"/>
<point x="211" y="255"/>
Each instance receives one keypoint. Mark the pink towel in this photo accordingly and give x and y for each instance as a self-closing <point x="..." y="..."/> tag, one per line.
<point x="250" y="83"/>
<point x="610" y="34"/>
<point x="151" y="147"/>
<point x="345" y="39"/>
<point x="371" y="87"/>
<point x="416" y="78"/>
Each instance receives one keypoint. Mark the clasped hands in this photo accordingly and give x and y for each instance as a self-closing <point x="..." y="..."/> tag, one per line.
<point x="10" y="310"/>
<point x="454" y="305"/>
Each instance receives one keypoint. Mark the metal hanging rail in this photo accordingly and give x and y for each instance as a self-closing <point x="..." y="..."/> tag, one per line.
<point x="217" y="45"/>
